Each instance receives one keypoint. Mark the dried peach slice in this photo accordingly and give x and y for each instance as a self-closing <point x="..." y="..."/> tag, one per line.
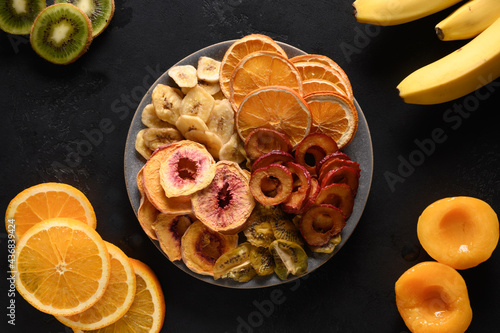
<point x="320" y="223"/>
<point x="147" y="213"/>
<point x="201" y="247"/>
<point x="154" y="190"/>
<point x="226" y="203"/>
<point x="169" y="230"/>
<point x="186" y="168"/>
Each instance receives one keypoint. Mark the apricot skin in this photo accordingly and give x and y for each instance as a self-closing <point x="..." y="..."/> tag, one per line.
<point x="461" y="232"/>
<point x="432" y="298"/>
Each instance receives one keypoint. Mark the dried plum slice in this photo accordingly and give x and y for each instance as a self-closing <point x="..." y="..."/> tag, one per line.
<point x="320" y="223"/>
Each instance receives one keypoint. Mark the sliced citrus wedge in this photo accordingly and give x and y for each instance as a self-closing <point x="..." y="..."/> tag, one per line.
<point x="238" y="50"/>
<point x="278" y="108"/>
<point x="318" y="85"/>
<point x="62" y="266"/>
<point x="147" y="313"/>
<point x="45" y="201"/>
<point x="315" y="70"/>
<point x="322" y="59"/>
<point x="116" y="300"/>
<point x="262" y="69"/>
<point x="334" y="115"/>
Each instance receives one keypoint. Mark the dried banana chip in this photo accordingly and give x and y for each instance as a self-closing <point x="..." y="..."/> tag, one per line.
<point x="184" y="76"/>
<point x="187" y="123"/>
<point x="167" y="102"/>
<point x="140" y="145"/>
<point x="221" y="120"/>
<point x="150" y="118"/>
<point x="208" y="69"/>
<point x="155" y="137"/>
<point x="233" y="150"/>
<point x="197" y="102"/>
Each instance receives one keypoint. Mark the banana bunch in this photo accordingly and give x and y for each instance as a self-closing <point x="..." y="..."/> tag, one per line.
<point x="467" y="69"/>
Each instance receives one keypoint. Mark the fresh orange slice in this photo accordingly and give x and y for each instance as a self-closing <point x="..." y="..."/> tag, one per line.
<point x="333" y="114"/>
<point x="45" y="201"/>
<point x="238" y="50"/>
<point x="262" y="69"/>
<point x="322" y="59"/>
<point x="315" y="70"/>
<point x="317" y="85"/>
<point x="278" y="108"/>
<point x="147" y="313"/>
<point x="116" y="300"/>
<point x="62" y="266"/>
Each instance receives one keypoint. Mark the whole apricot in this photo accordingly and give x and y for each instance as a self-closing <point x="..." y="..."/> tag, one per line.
<point x="432" y="298"/>
<point x="461" y="232"/>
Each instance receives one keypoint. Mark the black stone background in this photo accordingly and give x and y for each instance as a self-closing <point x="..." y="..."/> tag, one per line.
<point x="47" y="109"/>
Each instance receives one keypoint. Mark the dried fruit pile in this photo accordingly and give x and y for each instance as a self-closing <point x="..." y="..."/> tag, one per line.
<point x="244" y="175"/>
<point x="63" y="267"/>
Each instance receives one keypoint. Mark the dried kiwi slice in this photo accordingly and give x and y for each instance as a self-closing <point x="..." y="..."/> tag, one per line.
<point x="99" y="12"/>
<point x="17" y="17"/>
<point x="61" y="33"/>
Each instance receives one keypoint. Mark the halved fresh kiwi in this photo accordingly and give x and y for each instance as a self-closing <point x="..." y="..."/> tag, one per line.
<point x="61" y="33"/>
<point x="100" y="12"/>
<point x="17" y="17"/>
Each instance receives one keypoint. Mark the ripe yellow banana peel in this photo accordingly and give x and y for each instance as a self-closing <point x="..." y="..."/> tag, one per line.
<point x="393" y="12"/>
<point x="457" y="74"/>
<point x="469" y="20"/>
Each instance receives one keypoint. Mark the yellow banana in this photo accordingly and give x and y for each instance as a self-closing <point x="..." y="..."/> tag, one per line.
<point x="393" y="12"/>
<point x="457" y="74"/>
<point x="469" y="20"/>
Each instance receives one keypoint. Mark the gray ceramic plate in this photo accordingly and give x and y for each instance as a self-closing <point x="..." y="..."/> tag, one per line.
<point x="359" y="150"/>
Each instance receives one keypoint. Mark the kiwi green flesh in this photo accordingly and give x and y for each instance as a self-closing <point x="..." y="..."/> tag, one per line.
<point x="17" y="17"/>
<point x="99" y="12"/>
<point x="61" y="33"/>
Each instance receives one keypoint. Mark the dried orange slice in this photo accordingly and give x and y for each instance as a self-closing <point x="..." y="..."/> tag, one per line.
<point x="315" y="70"/>
<point x="62" y="266"/>
<point x="333" y="114"/>
<point x="45" y="201"/>
<point x="262" y="69"/>
<point x="147" y="313"/>
<point x="278" y="108"/>
<point x="116" y="300"/>
<point x="238" y="50"/>
<point x="317" y="85"/>
<point x="322" y="59"/>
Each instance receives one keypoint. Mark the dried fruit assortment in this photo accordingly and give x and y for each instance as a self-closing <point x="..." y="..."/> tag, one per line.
<point x="244" y="174"/>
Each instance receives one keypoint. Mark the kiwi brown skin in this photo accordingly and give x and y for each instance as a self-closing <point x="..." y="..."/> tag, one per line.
<point x="87" y="42"/>
<point x="108" y="20"/>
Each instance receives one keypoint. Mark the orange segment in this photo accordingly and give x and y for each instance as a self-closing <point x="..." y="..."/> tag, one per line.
<point x="116" y="300"/>
<point x="62" y="266"/>
<point x="45" y="201"/>
<point x="262" y="69"/>
<point x="322" y="59"/>
<point x="317" y="85"/>
<point x="278" y="108"/>
<point x="314" y="70"/>
<point x="147" y="313"/>
<point x="238" y="50"/>
<point x="333" y="114"/>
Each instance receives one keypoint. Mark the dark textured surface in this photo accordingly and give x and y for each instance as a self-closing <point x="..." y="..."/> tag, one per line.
<point x="69" y="124"/>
